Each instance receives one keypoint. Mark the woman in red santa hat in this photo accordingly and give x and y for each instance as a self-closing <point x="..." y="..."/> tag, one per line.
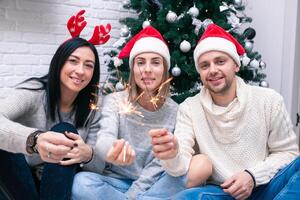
<point x="123" y="142"/>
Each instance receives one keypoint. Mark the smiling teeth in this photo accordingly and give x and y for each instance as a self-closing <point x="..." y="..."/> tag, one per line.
<point x="76" y="80"/>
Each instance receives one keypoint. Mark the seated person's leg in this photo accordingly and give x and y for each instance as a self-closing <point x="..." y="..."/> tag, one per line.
<point x="164" y="187"/>
<point x="199" y="170"/>
<point x="16" y="176"/>
<point x="57" y="180"/>
<point x="207" y="192"/>
<point x="284" y="185"/>
<point x="91" y="186"/>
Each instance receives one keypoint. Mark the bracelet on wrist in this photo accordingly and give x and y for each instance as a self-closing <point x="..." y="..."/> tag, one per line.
<point x="86" y="162"/>
<point x="252" y="176"/>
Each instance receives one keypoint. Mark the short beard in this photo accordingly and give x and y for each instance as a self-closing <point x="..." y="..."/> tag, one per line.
<point x="222" y="91"/>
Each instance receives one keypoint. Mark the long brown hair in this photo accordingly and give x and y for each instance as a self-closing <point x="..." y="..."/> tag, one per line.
<point x="133" y="88"/>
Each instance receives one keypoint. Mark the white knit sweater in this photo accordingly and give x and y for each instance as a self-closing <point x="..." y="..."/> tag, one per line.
<point x="253" y="132"/>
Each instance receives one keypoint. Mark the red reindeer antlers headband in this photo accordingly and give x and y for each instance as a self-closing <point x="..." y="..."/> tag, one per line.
<point x="77" y="23"/>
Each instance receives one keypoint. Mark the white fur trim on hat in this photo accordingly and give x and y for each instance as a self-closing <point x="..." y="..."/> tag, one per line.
<point x="216" y="44"/>
<point x="150" y="44"/>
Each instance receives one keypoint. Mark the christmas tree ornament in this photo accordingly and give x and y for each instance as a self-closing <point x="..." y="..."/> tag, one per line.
<point x="224" y="7"/>
<point x="180" y="16"/>
<point x="233" y="20"/>
<point x="185" y="46"/>
<point x="119" y="86"/>
<point x="117" y="62"/>
<point x="206" y="23"/>
<point x="248" y="46"/>
<point x="262" y="65"/>
<point x="245" y="60"/>
<point x="176" y="71"/>
<point x="264" y="83"/>
<point x="146" y="23"/>
<point x="254" y="64"/>
<point x="124" y="32"/>
<point x="193" y="11"/>
<point x="198" y="24"/>
<point x="106" y="59"/>
<point x="249" y="33"/>
<point x="126" y="3"/>
<point x="237" y="3"/>
<point x="171" y="17"/>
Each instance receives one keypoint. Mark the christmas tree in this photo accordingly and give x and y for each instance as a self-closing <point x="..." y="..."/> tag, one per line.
<point x="182" y="23"/>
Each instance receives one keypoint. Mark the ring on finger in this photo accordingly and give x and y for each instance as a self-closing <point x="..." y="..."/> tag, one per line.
<point x="49" y="154"/>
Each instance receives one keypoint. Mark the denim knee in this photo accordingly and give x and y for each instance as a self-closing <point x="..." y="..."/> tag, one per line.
<point x="62" y="127"/>
<point x="84" y="182"/>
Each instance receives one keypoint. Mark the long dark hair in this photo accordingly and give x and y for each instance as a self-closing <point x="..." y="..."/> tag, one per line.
<point x="51" y="83"/>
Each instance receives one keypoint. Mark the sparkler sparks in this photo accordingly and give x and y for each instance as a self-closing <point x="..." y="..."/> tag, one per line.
<point x="157" y="97"/>
<point x="127" y="108"/>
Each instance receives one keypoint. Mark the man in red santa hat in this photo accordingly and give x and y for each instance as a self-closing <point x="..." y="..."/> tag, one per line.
<point x="245" y="130"/>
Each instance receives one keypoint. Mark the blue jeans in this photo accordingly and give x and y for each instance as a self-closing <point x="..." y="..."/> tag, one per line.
<point x="164" y="188"/>
<point x="91" y="186"/>
<point x="56" y="182"/>
<point x="284" y="185"/>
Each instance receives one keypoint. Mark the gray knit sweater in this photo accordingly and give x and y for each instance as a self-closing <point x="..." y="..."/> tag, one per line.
<point x="23" y="112"/>
<point x="133" y="128"/>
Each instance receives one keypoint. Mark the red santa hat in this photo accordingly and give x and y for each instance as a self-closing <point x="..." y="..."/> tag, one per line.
<point x="147" y="40"/>
<point x="216" y="38"/>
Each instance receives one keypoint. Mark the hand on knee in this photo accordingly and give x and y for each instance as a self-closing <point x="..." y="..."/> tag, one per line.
<point x="199" y="170"/>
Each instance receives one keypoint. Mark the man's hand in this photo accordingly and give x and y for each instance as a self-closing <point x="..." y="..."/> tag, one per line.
<point x="239" y="186"/>
<point x="121" y="153"/>
<point x="164" y="144"/>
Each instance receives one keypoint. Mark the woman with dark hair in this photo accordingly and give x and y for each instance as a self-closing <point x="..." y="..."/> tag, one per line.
<point x="48" y="119"/>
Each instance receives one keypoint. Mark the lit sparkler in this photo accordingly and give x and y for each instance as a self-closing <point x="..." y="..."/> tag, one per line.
<point x="157" y="97"/>
<point x="127" y="108"/>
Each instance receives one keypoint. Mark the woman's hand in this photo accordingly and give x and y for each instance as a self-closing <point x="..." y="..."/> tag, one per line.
<point x="80" y="153"/>
<point x="121" y="153"/>
<point x="53" y="147"/>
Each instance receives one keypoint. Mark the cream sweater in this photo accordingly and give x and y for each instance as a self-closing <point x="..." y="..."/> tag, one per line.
<point x="253" y="132"/>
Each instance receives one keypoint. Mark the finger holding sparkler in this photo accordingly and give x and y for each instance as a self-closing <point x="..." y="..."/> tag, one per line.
<point x="128" y="154"/>
<point x="121" y="153"/>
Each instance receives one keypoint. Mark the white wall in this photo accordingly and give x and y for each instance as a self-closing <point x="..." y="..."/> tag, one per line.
<point x="31" y="31"/>
<point x="275" y="24"/>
